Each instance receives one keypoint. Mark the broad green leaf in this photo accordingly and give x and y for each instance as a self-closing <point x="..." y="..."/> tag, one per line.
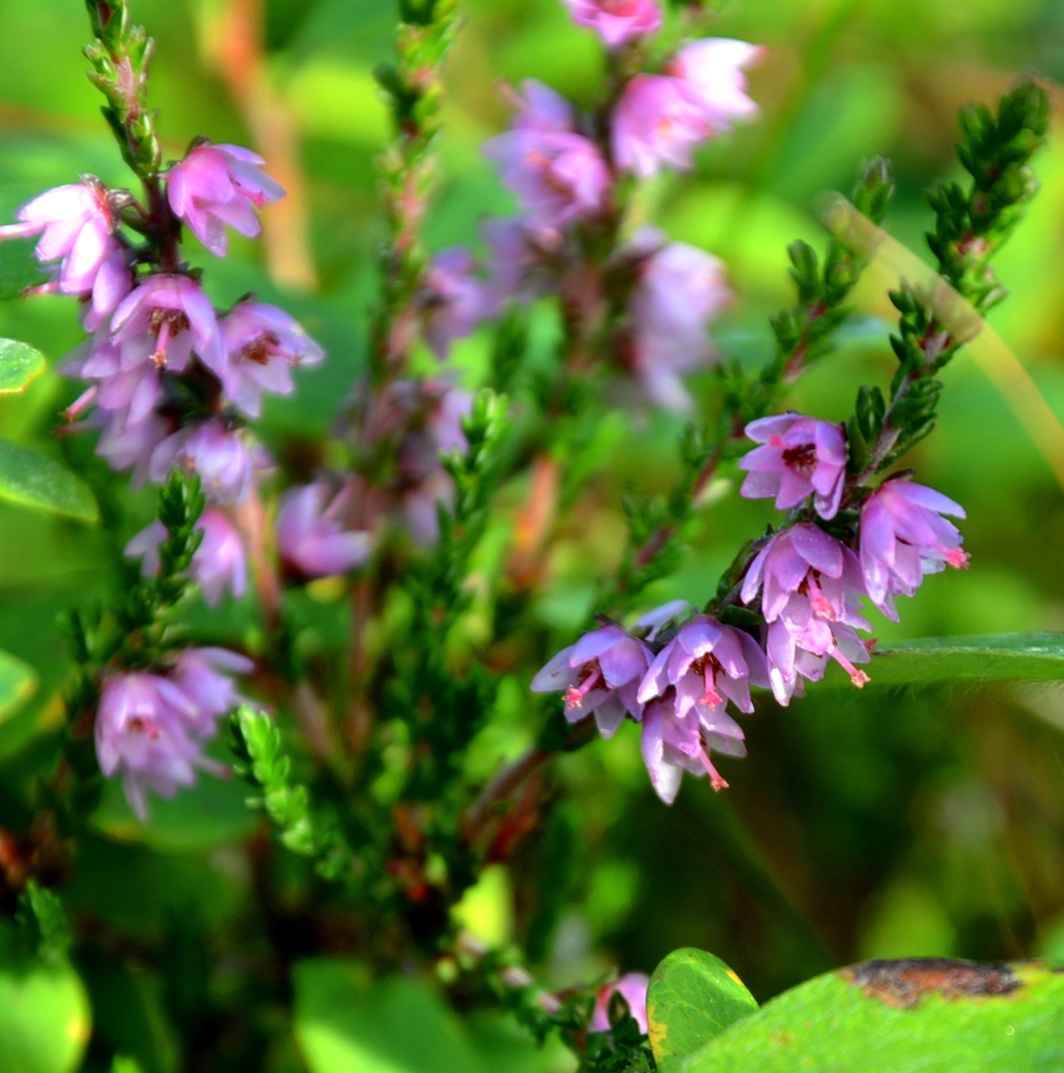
<point x="17" y="684"/>
<point x="35" y="480"/>
<point x="19" y="364"/>
<point x="44" y="1014"/>
<point x="924" y="1015"/>
<point x="1034" y="656"/>
<point x="346" y="1023"/>
<point x="693" y="997"/>
<point x="18" y="269"/>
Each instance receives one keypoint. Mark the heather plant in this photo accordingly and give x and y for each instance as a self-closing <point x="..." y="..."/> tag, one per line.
<point x="322" y="723"/>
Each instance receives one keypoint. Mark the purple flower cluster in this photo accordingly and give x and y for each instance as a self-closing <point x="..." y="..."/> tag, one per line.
<point x="151" y="726"/>
<point x="677" y="680"/>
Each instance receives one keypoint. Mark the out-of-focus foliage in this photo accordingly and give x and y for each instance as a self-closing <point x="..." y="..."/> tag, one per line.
<point x="898" y="821"/>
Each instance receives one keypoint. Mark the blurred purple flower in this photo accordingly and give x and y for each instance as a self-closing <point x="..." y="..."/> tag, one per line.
<point x="176" y="318"/>
<point x="811" y="588"/>
<point x="218" y="564"/>
<point x="903" y="537"/>
<point x="310" y="534"/>
<point x="204" y="675"/>
<point x="617" y="21"/>
<point x="633" y="987"/>
<point x="216" y="185"/>
<point x="557" y="174"/>
<point x="680" y="290"/>
<point x="262" y="343"/>
<point x="801" y="456"/>
<point x="656" y="123"/>
<point x="224" y="458"/>
<point x="455" y="299"/>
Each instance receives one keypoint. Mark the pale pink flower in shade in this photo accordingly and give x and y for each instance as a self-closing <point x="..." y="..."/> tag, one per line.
<point x="633" y="988"/>
<point x="657" y="123"/>
<point x="903" y="536"/>
<point x="455" y="300"/>
<point x="219" y="185"/>
<point x="801" y="457"/>
<point x="204" y="675"/>
<point x="707" y="664"/>
<point x="811" y="587"/>
<point x="600" y="675"/>
<point x="111" y="283"/>
<point x="219" y="564"/>
<point x="711" y="71"/>
<point x="617" y="21"/>
<point x="310" y="534"/>
<point x="557" y="174"/>
<point x="262" y="344"/>
<point x="226" y="461"/>
<point x="176" y="318"/>
<point x="681" y="289"/>
<point x="144" y="736"/>
<point x="674" y="743"/>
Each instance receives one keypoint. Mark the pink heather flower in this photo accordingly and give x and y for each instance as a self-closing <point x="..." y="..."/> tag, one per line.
<point x="218" y="564"/>
<point x="224" y="459"/>
<point x="557" y="174"/>
<point x="262" y="344"/>
<point x="455" y="300"/>
<point x="801" y="457"/>
<point x="217" y="185"/>
<point x="310" y="534"/>
<point x="712" y="73"/>
<point x="707" y="665"/>
<point x="144" y="736"/>
<point x="810" y="587"/>
<point x="176" y="318"/>
<point x="600" y="675"/>
<point x="903" y="537"/>
<point x="633" y="987"/>
<point x="617" y="21"/>
<point x="680" y="290"/>
<point x="657" y="122"/>
<point x="203" y="675"/>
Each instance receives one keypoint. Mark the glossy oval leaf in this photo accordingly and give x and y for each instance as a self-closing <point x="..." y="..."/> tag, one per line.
<point x="923" y="1015"/>
<point x="347" y="1023"/>
<point x="19" y="364"/>
<point x="997" y="657"/>
<point x="44" y="1015"/>
<point x="693" y="997"/>
<point x="18" y="681"/>
<point x="35" y="480"/>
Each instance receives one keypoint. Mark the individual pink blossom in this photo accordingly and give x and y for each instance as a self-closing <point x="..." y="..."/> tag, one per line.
<point x="219" y="185"/>
<point x="144" y="736"/>
<point x="711" y="71"/>
<point x="600" y="675"/>
<point x="633" y="988"/>
<point x="657" y="123"/>
<point x="262" y="344"/>
<point x="617" y="21"/>
<point x="455" y="300"/>
<point x="224" y="458"/>
<point x="205" y="676"/>
<point x="172" y="315"/>
<point x="310" y="534"/>
<point x="557" y="174"/>
<point x="810" y="586"/>
<point x="801" y="457"/>
<point x="681" y="289"/>
<point x="219" y="564"/>
<point x="903" y="536"/>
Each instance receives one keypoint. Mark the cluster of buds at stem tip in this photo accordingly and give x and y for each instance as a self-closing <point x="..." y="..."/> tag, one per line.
<point x="675" y="671"/>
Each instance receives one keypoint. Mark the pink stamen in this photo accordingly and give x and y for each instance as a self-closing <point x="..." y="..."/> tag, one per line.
<point x="163" y="338"/>
<point x="776" y="440"/>
<point x="574" y="695"/>
<point x="82" y="402"/>
<point x="859" y="678"/>
<point x="958" y="559"/>
<point x="716" y="779"/>
<point x="51" y="287"/>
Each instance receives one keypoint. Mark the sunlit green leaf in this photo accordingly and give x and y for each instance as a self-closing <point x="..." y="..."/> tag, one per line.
<point x="917" y="1016"/>
<point x="346" y="1023"/>
<point x="1034" y="656"/>
<point x="35" y="480"/>
<point x="19" y="364"/>
<point x="693" y="997"/>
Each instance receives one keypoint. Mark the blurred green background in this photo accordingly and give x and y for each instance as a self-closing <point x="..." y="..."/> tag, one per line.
<point x="884" y="823"/>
